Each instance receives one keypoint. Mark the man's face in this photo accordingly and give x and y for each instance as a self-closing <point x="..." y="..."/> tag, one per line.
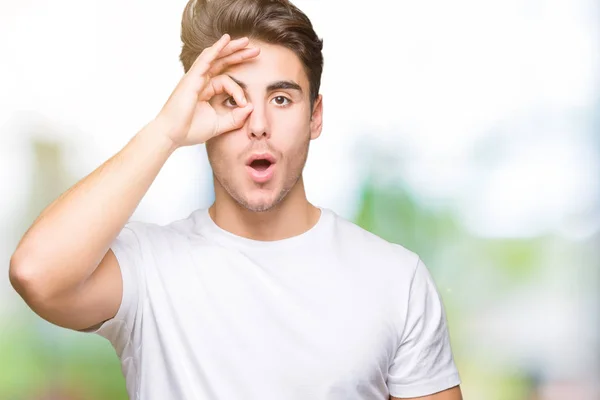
<point x="277" y="132"/>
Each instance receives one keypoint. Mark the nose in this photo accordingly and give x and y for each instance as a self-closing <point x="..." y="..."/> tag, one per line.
<point x="258" y="125"/>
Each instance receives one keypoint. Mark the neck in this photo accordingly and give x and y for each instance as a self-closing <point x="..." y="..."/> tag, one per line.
<point x="293" y="216"/>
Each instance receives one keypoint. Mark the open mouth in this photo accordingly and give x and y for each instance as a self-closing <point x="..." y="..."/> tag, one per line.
<point x="260" y="164"/>
<point x="261" y="167"/>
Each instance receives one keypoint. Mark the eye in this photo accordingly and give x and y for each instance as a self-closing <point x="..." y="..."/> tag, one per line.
<point x="281" y="101"/>
<point x="230" y="102"/>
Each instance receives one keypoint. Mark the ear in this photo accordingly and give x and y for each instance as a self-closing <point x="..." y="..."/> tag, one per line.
<point x="316" y="119"/>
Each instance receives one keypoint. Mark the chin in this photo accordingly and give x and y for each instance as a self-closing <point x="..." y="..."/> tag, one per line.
<point x="259" y="202"/>
<point x="253" y="198"/>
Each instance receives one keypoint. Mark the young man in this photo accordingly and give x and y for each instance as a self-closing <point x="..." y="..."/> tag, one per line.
<point x="263" y="295"/>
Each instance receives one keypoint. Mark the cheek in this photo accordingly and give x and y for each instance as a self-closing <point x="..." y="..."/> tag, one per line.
<point x="295" y="150"/>
<point x="290" y="131"/>
<point x="219" y="154"/>
<point x="224" y="148"/>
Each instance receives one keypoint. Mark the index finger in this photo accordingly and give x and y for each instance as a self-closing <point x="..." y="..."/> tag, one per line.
<point x="209" y="54"/>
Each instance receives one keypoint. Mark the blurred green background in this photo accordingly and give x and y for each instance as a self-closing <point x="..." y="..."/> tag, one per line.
<point x="474" y="143"/>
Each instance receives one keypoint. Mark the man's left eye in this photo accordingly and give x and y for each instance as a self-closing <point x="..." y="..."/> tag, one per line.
<point x="281" y="100"/>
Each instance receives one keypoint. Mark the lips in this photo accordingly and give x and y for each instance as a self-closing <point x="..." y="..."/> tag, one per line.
<point x="261" y="158"/>
<point x="260" y="164"/>
<point x="261" y="167"/>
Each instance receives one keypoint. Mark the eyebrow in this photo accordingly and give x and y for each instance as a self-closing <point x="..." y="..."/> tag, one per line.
<point x="278" y="85"/>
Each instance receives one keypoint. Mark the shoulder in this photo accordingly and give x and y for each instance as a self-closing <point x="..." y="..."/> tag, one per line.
<point x="359" y="242"/>
<point x="154" y="233"/>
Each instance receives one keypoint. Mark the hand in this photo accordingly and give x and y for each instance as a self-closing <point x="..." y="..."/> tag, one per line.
<point x="187" y="117"/>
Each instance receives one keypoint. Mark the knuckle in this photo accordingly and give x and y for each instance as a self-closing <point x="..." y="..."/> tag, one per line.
<point x="204" y="66"/>
<point x="214" y="85"/>
<point x="217" y="66"/>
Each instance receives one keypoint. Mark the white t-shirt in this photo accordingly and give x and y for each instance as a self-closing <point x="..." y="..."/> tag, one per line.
<point x="335" y="313"/>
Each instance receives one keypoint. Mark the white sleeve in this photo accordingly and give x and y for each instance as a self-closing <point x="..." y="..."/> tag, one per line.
<point x="129" y="251"/>
<point x="423" y="363"/>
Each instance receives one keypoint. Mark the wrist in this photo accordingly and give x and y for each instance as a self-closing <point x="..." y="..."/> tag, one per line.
<point x="159" y="132"/>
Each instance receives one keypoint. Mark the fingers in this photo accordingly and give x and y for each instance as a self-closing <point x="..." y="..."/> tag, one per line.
<point x="233" y="46"/>
<point x="224" y="48"/>
<point x="224" y="84"/>
<point x="235" y="58"/>
<point x="204" y="60"/>
<point x="234" y="119"/>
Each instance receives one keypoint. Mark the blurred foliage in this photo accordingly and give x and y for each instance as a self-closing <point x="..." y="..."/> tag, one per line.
<point x="47" y="359"/>
<point x="394" y="214"/>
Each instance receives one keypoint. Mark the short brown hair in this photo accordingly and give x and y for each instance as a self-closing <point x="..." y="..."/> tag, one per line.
<point x="276" y="22"/>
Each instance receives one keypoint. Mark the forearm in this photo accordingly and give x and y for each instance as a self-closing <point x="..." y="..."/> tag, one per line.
<point x="71" y="236"/>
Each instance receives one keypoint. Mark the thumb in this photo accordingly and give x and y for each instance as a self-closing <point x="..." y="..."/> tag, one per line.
<point x="234" y="119"/>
